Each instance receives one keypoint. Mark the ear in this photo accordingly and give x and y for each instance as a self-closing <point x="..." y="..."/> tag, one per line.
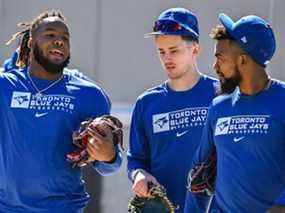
<point x="242" y="60"/>
<point x="196" y="49"/>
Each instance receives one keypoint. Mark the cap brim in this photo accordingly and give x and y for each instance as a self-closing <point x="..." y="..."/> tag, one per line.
<point x="227" y="22"/>
<point x="149" y="35"/>
<point x="189" y="33"/>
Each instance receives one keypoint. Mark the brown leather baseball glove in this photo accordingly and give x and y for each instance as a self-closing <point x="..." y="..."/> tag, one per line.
<point x="81" y="137"/>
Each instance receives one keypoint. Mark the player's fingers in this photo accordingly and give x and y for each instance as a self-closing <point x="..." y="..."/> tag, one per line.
<point x="93" y="149"/>
<point x="91" y="153"/>
<point x="143" y="189"/>
<point x="99" y="138"/>
<point x="97" y="144"/>
<point x="140" y="190"/>
<point x="93" y="143"/>
<point x="94" y="134"/>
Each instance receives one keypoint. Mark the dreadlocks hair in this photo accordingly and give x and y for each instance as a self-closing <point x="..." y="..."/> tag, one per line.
<point x="25" y="34"/>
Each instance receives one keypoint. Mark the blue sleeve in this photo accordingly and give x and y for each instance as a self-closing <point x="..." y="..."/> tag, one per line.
<point x="10" y="63"/>
<point x="103" y="106"/>
<point x="197" y="203"/>
<point x="138" y="154"/>
<point x="106" y="169"/>
<point x="207" y="140"/>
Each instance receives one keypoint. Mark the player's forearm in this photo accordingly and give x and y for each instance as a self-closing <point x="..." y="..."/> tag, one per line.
<point x="203" y="153"/>
<point x="206" y="146"/>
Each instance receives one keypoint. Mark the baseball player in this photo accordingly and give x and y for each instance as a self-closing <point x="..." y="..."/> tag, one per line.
<point x="246" y="126"/>
<point x="41" y="106"/>
<point x="167" y="119"/>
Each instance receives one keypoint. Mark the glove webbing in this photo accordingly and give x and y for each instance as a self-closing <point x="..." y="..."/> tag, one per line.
<point x="156" y="191"/>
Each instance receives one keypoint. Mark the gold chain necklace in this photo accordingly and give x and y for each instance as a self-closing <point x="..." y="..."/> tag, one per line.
<point x="40" y="91"/>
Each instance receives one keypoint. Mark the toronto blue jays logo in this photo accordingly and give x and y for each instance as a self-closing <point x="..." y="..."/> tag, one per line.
<point x="21" y="99"/>
<point x="222" y="125"/>
<point x="160" y="122"/>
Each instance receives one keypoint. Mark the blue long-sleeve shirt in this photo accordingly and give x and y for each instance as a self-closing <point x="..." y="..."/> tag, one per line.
<point x="248" y="133"/>
<point x="165" y="132"/>
<point x="35" y="136"/>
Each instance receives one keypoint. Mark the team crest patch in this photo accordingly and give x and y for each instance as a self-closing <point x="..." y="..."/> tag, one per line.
<point x="160" y="122"/>
<point x="222" y="126"/>
<point x="20" y="99"/>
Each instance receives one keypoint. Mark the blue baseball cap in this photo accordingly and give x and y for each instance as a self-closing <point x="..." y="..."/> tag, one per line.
<point x="176" y="21"/>
<point x="254" y="35"/>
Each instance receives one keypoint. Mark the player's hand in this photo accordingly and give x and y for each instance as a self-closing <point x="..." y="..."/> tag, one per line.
<point x="140" y="185"/>
<point x="101" y="148"/>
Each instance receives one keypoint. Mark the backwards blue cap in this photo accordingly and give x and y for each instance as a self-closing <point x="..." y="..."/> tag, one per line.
<point x="253" y="34"/>
<point x="176" y="21"/>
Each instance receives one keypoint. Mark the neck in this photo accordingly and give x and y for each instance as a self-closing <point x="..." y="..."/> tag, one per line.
<point x="254" y="82"/>
<point x="38" y="71"/>
<point x="186" y="82"/>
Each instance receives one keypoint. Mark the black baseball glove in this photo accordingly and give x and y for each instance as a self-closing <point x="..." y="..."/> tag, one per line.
<point x="202" y="177"/>
<point x="157" y="203"/>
